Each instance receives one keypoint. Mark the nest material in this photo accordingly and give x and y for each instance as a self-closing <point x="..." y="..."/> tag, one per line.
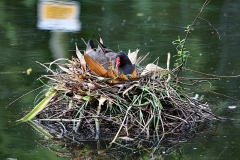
<point x="88" y="106"/>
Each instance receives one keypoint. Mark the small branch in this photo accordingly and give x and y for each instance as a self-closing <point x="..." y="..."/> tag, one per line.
<point x="183" y="78"/>
<point x="142" y="59"/>
<point x="120" y="128"/>
<point x="168" y="64"/>
<point x="217" y="93"/>
<point x="174" y="117"/>
<point x="203" y="7"/>
<point x="212" y="75"/>
<point x="186" y="37"/>
<point x="210" y="26"/>
<point x="24" y="95"/>
<point x="68" y="120"/>
<point x="81" y="116"/>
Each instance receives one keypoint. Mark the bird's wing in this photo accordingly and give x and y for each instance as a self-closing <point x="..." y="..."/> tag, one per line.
<point x="111" y="55"/>
<point x="95" y="66"/>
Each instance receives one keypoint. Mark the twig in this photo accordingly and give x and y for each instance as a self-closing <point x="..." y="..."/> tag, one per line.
<point x="163" y="134"/>
<point x="24" y="95"/>
<point x="120" y="128"/>
<point x="183" y="78"/>
<point x="143" y="58"/>
<point x="68" y="120"/>
<point x="81" y="116"/>
<point x="217" y="93"/>
<point x="83" y="41"/>
<point x="188" y="32"/>
<point x="210" y="26"/>
<point x="48" y="69"/>
<point x="168" y="64"/>
<point x="168" y="115"/>
<point x="203" y="7"/>
<point x="212" y="75"/>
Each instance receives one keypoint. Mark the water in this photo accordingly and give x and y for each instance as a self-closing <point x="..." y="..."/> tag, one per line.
<point x="148" y="26"/>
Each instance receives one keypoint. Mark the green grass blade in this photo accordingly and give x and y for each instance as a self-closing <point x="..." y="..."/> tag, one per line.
<point x="39" y="107"/>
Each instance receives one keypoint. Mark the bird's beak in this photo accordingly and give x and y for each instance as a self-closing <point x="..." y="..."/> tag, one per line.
<point x="117" y="62"/>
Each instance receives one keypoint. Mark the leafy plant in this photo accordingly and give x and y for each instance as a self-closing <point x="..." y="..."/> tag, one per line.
<point x="182" y="52"/>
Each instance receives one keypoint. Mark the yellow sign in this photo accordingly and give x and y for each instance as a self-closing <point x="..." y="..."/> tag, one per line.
<point x="59" y="15"/>
<point x="59" y="11"/>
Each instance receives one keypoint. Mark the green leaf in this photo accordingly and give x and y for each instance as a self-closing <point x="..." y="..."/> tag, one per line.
<point x="39" y="107"/>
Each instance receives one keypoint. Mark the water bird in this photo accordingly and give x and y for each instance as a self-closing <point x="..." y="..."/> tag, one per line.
<point x="103" y="55"/>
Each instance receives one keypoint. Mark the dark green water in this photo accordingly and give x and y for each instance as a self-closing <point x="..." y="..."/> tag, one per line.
<point x="149" y="26"/>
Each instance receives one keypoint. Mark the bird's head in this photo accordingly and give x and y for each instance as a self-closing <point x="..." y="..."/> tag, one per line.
<point x="122" y="59"/>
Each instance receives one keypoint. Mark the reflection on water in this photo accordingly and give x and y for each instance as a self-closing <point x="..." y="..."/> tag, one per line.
<point x="148" y="26"/>
<point x="59" y="17"/>
<point x="98" y="149"/>
<point x="75" y="146"/>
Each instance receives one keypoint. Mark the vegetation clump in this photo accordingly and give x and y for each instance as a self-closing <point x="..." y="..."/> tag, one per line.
<point x="146" y="106"/>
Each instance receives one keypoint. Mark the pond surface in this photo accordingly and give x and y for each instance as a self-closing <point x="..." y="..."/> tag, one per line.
<point x="149" y="26"/>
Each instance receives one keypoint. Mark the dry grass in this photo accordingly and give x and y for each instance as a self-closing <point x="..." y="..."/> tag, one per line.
<point x="151" y="107"/>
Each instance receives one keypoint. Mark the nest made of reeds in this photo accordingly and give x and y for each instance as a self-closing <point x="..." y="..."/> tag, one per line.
<point x="90" y="102"/>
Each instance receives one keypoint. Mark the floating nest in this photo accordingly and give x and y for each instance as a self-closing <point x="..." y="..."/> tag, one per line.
<point x="90" y="103"/>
